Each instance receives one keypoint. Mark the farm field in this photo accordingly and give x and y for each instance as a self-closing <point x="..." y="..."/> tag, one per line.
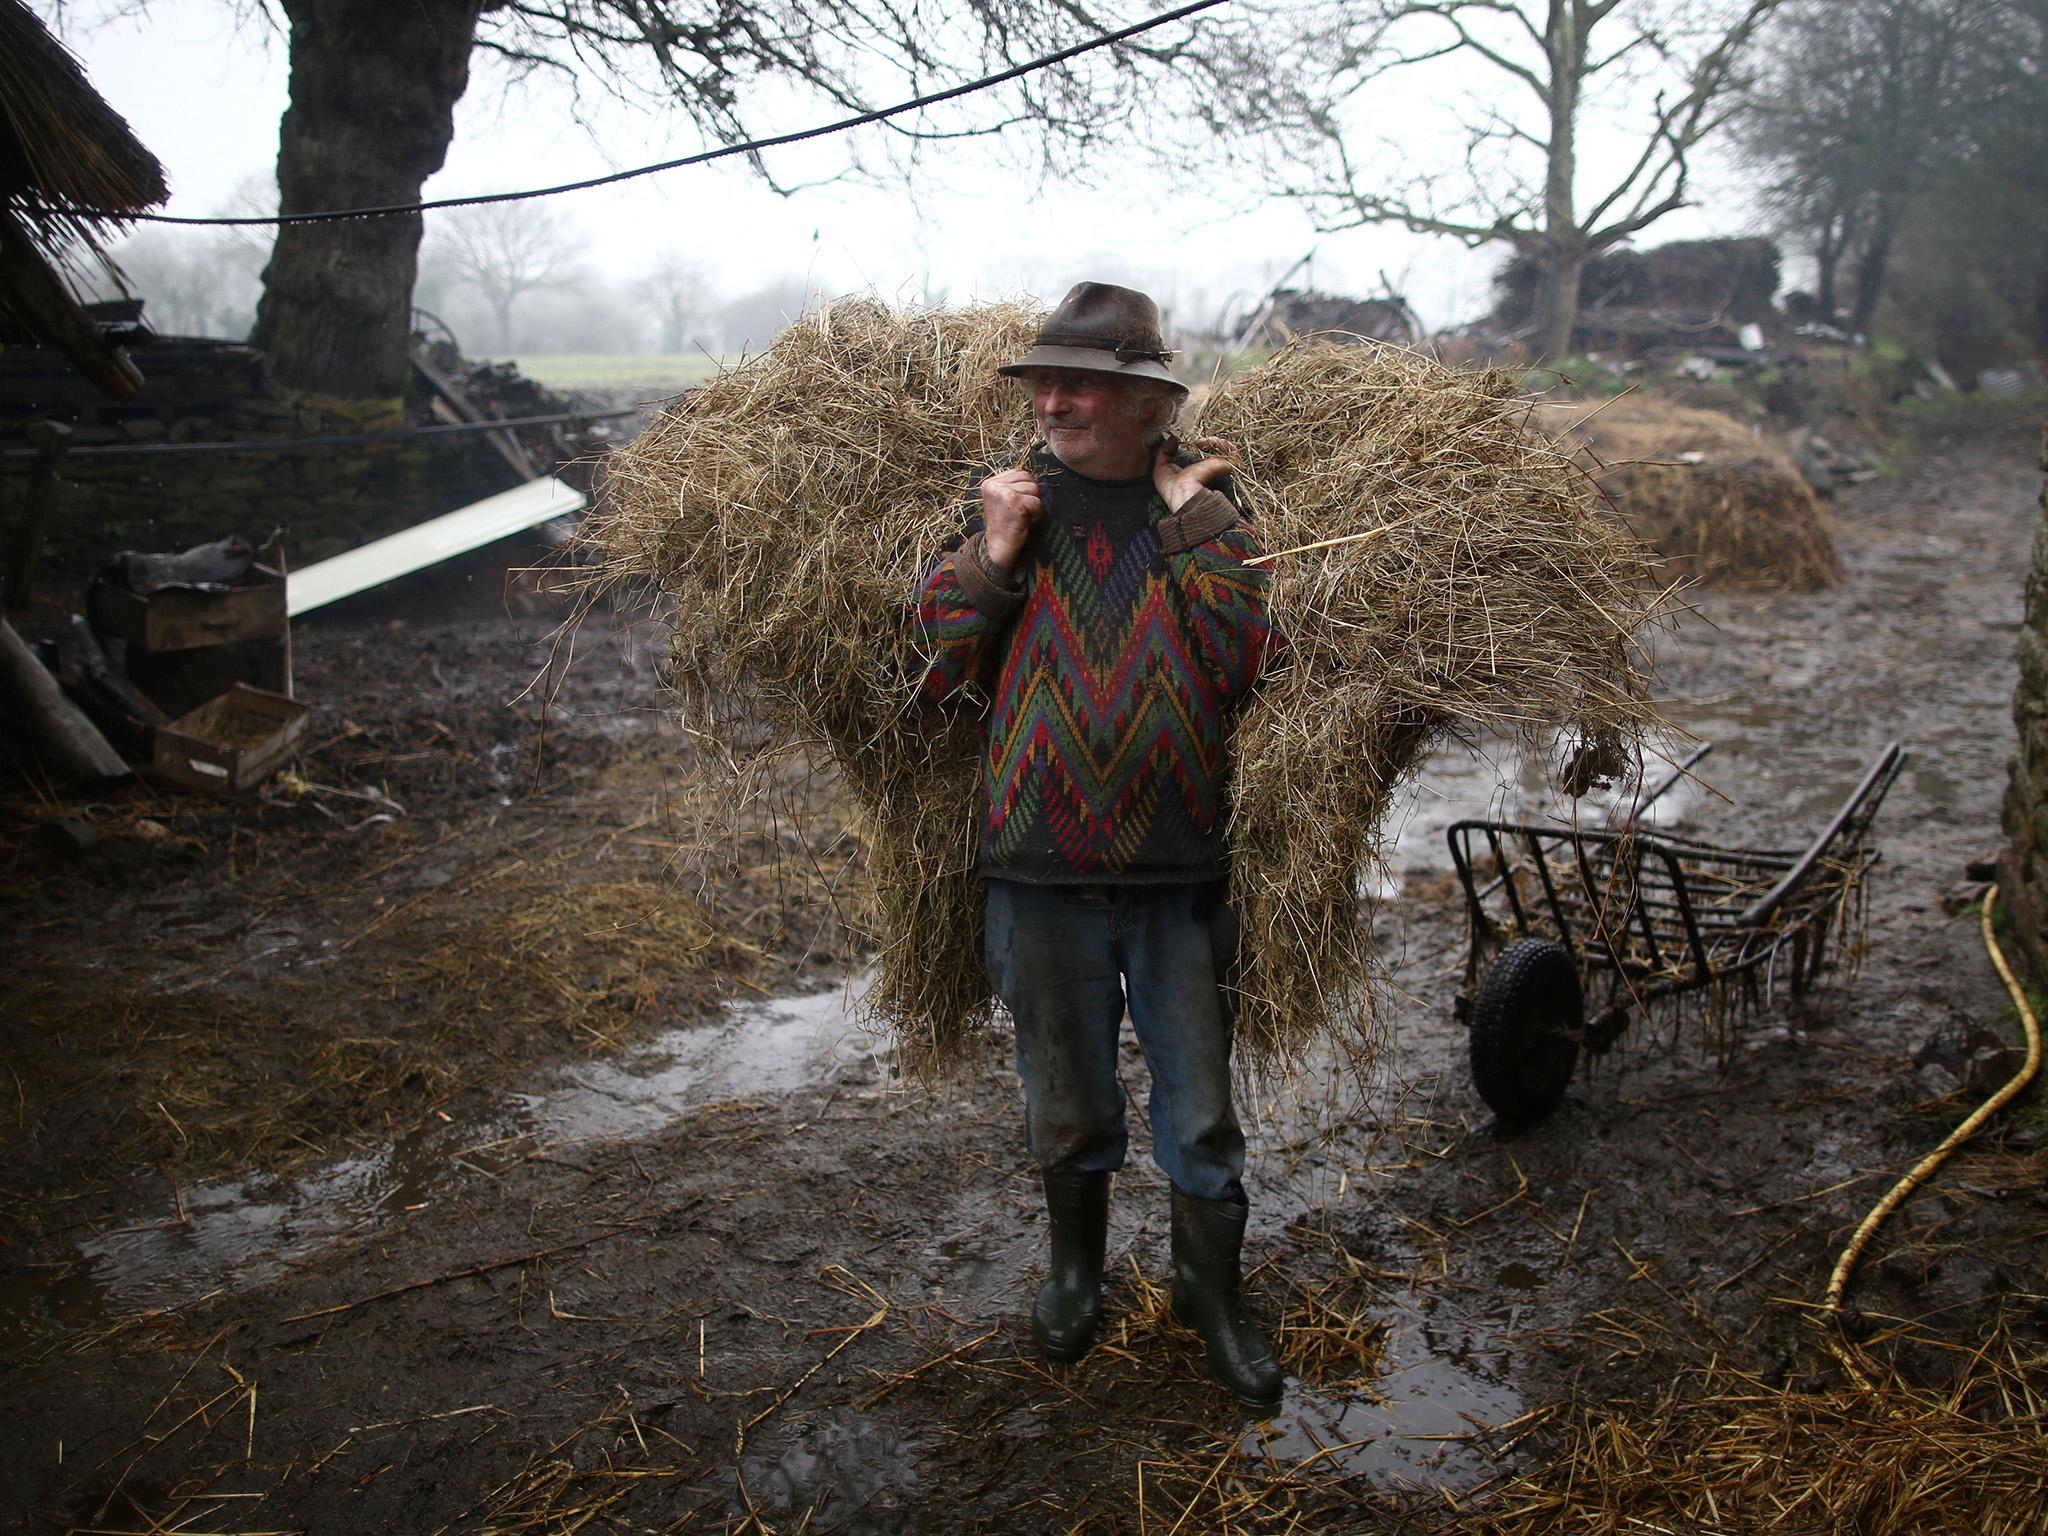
<point x="650" y="375"/>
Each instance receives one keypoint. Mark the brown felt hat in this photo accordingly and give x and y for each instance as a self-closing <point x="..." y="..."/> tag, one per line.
<point x="1105" y="329"/>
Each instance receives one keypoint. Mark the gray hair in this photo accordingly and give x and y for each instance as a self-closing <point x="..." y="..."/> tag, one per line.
<point x="1154" y="404"/>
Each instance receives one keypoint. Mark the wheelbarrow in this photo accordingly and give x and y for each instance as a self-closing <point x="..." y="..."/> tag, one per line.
<point x="1576" y="931"/>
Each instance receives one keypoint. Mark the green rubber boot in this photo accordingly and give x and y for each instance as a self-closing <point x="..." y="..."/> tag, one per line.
<point x="1069" y="1305"/>
<point x="1207" y="1236"/>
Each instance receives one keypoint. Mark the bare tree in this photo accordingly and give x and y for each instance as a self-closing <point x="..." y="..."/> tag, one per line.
<point x="506" y="250"/>
<point x="374" y="87"/>
<point x="673" y="287"/>
<point x="749" y="321"/>
<point x="205" y="282"/>
<point x="185" y="287"/>
<point x="1289" y="88"/>
<point x="1867" y="107"/>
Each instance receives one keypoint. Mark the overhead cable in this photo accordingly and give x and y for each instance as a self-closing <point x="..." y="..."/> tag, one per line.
<point x="751" y="146"/>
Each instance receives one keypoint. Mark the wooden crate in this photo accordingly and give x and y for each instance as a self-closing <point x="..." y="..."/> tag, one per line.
<point x="231" y="743"/>
<point x="185" y="621"/>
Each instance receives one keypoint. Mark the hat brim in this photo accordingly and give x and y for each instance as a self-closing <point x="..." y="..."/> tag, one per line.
<point x="1093" y="360"/>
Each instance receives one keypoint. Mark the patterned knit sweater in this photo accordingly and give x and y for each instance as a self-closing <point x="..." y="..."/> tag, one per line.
<point x="1110" y="658"/>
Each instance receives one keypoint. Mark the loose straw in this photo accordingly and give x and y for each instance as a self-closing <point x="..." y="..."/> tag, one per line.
<point x="1343" y="538"/>
<point x="1838" y="1282"/>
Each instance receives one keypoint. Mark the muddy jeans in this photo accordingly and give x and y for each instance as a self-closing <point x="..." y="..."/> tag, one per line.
<point x="1065" y="961"/>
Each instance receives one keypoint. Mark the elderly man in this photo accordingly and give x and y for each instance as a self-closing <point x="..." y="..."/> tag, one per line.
<point x="1102" y="600"/>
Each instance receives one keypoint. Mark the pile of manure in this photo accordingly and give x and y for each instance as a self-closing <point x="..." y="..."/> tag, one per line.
<point x="1466" y="576"/>
<point x="1719" y="503"/>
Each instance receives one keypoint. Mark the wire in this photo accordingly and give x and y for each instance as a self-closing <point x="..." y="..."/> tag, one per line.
<point x="751" y="146"/>
<point x="1838" y="1282"/>
<point x="327" y="440"/>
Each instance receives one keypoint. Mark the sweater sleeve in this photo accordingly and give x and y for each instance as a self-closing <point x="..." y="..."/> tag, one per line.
<point x="965" y="606"/>
<point x="1207" y="544"/>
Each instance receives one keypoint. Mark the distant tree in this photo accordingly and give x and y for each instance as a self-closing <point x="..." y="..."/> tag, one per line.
<point x="204" y="283"/>
<point x="507" y="250"/>
<point x="1297" y="91"/>
<point x="672" y="286"/>
<point x="1968" y="275"/>
<point x="374" y="86"/>
<point x="594" y="316"/>
<point x="184" y="287"/>
<point x="2015" y="154"/>
<point x="752" y="320"/>
<point x="1864" y="109"/>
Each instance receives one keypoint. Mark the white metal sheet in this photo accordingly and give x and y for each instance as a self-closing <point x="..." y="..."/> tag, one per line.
<point x="429" y="543"/>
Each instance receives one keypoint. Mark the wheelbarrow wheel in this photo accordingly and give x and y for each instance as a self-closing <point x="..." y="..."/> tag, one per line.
<point x="1526" y="1020"/>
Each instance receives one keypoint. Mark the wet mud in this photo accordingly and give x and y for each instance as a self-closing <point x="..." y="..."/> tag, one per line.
<point x="620" y="1224"/>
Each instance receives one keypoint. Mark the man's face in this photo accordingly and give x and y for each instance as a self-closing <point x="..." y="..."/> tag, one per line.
<point x="1090" y="422"/>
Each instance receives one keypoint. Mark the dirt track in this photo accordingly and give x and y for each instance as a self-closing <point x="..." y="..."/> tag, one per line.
<point x="347" y="1193"/>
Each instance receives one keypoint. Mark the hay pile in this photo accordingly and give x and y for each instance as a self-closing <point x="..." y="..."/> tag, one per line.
<point x="788" y="509"/>
<point x="1720" y="503"/>
<point x="1499" y="596"/>
<point x="1731" y="1452"/>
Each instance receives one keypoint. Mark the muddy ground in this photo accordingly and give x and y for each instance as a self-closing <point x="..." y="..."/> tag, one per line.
<point x="417" y="1150"/>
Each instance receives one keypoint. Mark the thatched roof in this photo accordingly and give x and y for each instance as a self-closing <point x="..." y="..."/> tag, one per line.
<point x="69" y="168"/>
<point x="63" y="150"/>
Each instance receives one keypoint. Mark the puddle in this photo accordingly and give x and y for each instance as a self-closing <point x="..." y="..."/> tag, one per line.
<point x="1497" y="780"/>
<point x="1519" y="1277"/>
<point x="767" y="1049"/>
<point x="1783" y="779"/>
<point x="241" y="1232"/>
<point x="1426" y="1421"/>
<point x="860" y="1472"/>
<point x="1766" y="784"/>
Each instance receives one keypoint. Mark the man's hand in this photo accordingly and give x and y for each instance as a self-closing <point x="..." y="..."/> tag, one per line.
<point x="1010" y="506"/>
<point x="1176" y="485"/>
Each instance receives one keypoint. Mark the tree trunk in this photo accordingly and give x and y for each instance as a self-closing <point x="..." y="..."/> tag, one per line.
<point x="1871" y="265"/>
<point x="1562" y="250"/>
<point x="1837" y="231"/>
<point x="2023" y="882"/>
<point x="1557" y="300"/>
<point x="1826" y="257"/>
<point x="373" y="93"/>
<point x="68" y="743"/>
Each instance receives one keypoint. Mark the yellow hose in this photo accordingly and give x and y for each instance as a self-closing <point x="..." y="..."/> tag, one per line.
<point x="1838" y="1282"/>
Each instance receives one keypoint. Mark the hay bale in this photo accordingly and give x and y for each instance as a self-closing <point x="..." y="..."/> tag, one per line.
<point x="1719" y="502"/>
<point x="790" y="507"/>
<point x="1500" y="596"/>
<point x="787" y="508"/>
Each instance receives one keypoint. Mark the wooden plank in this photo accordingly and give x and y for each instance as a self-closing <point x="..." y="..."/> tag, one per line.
<point x="457" y="399"/>
<point x="184" y="621"/>
<point x="67" y="741"/>
<point x="430" y="543"/>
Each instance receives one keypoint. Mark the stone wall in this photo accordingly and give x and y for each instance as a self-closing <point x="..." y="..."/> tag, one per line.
<point x="2024" y="877"/>
<point x="327" y="499"/>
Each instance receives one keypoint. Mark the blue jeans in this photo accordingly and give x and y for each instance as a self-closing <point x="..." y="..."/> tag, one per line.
<point x="1065" y="961"/>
